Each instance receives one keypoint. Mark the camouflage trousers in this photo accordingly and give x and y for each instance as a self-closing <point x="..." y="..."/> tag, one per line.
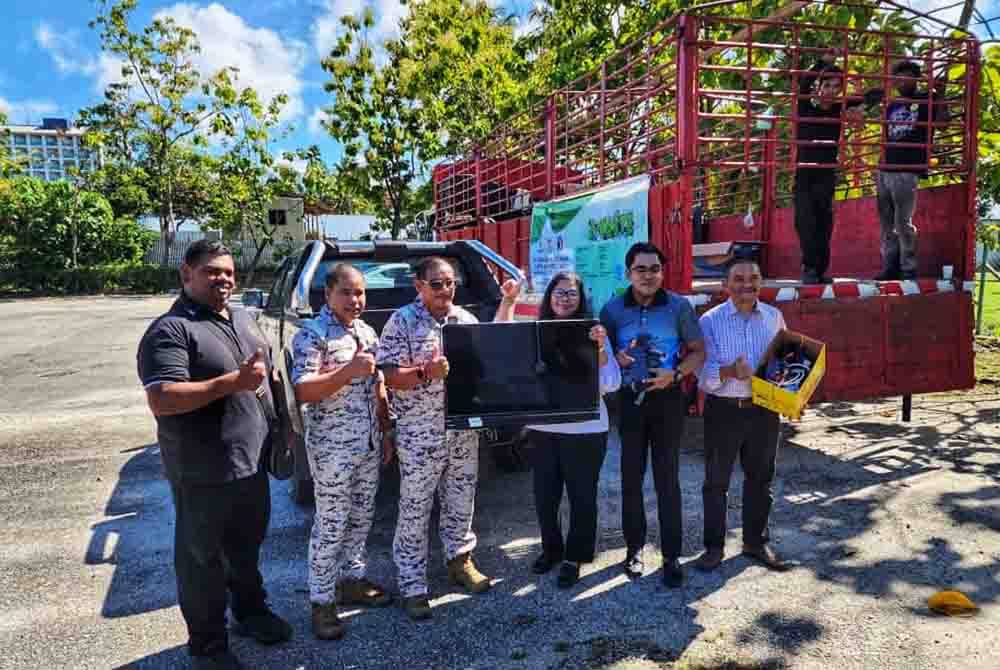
<point x="448" y="466"/>
<point x="346" y="481"/>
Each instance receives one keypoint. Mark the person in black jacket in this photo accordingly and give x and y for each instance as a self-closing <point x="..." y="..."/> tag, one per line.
<point x="821" y="107"/>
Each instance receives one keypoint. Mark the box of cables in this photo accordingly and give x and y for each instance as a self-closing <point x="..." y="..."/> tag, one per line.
<point x="791" y="370"/>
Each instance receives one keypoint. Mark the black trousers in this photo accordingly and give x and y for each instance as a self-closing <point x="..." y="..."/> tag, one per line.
<point x="572" y="462"/>
<point x="814" y="216"/>
<point x="753" y="434"/>
<point x="652" y="428"/>
<point x="217" y="538"/>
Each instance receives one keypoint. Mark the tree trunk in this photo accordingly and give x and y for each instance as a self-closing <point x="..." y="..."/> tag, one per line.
<point x="253" y="264"/>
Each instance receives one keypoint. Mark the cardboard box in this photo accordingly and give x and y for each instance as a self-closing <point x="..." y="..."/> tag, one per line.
<point x="778" y="399"/>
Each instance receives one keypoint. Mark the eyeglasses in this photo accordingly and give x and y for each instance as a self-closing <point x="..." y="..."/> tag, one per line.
<point x="439" y="284"/>
<point x="565" y="294"/>
<point x="647" y="269"/>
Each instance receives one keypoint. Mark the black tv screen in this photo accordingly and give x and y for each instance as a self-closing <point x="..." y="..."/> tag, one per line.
<point x="520" y="373"/>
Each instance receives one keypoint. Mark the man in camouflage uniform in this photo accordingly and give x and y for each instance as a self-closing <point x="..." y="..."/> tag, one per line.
<point x="345" y="416"/>
<point x="431" y="459"/>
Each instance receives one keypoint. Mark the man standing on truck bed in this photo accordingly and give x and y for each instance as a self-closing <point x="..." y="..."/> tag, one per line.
<point x="346" y="416"/>
<point x="648" y="328"/>
<point x="431" y="459"/>
<point x="907" y="135"/>
<point x="818" y="138"/>
<point x="205" y="372"/>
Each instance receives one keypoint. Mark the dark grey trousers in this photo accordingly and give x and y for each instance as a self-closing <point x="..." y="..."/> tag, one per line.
<point x="897" y="200"/>
<point x="752" y="434"/>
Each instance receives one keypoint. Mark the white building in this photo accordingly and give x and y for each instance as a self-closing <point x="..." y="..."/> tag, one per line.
<point x="49" y="150"/>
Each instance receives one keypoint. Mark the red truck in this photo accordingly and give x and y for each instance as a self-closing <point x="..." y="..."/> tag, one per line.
<point x="705" y="104"/>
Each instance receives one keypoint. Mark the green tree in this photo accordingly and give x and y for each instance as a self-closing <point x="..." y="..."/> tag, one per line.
<point x="458" y="59"/>
<point x="247" y="179"/>
<point x="53" y="226"/>
<point x="9" y="167"/>
<point x="158" y="112"/>
<point x="383" y="128"/>
<point x="333" y="190"/>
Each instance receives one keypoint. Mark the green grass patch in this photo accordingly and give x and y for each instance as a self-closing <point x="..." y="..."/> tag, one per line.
<point x="991" y="305"/>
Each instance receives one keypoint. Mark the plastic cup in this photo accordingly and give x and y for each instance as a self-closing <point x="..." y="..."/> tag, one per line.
<point x="946" y="271"/>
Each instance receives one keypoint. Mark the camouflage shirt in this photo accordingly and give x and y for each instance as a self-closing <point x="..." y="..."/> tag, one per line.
<point x="410" y="338"/>
<point x="324" y="344"/>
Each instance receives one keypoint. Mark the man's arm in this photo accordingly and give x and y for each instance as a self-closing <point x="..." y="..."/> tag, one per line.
<point x="172" y="398"/>
<point x="392" y="347"/>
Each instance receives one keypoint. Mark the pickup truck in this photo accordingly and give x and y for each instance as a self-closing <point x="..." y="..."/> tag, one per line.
<point x="298" y="294"/>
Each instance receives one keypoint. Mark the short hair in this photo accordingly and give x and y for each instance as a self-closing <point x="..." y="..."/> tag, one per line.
<point x="338" y="271"/>
<point x="426" y="265"/>
<point x="643" y="248"/>
<point x="741" y="260"/>
<point x="829" y="72"/>
<point x="906" y="65"/>
<point x="202" y="249"/>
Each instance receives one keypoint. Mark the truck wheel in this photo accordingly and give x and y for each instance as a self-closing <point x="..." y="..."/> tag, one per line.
<point x="301" y="480"/>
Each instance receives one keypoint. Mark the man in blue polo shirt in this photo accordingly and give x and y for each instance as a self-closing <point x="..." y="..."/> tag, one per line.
<point x="657" y="341"/>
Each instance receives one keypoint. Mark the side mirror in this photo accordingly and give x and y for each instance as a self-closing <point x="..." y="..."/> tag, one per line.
<point x="253" y="298"/>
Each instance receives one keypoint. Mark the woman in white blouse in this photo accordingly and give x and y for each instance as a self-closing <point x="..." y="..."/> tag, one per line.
<point x="570" y="455"/>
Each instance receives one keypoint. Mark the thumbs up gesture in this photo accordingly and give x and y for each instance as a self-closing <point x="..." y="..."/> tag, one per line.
<point x="742" y="369"/>
<point x="362" y="365"/>
<point x="437" y="366"/>
<point x="252" y="372"/>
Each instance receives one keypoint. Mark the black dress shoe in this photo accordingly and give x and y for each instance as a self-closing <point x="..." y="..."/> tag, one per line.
<point x="569" y="574"/>
<point x="633" y="566"/>
<point x="673" y="576"/>
<point x="710" y="560"/>
<point x="265" y="627"/>
<point x="767" y="557"/>
<point x="544" y="563"/>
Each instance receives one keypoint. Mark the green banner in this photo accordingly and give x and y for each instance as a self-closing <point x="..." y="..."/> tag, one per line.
<point x="589" y="234"/>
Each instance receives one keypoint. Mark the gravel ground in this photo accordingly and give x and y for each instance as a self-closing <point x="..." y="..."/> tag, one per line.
<point x="881" y="515"/>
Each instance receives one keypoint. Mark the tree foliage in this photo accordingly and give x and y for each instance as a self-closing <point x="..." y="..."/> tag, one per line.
<point x="156" y="117"/>
<point x="46" y="226"/>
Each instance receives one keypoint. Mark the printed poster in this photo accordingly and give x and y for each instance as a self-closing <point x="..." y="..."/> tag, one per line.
<point x="589" y="234"/>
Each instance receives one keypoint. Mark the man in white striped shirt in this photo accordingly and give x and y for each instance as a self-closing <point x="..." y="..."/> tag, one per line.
<point x="737" y="334"/>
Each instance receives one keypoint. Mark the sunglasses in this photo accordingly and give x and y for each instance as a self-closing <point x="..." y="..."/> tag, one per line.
<point x="565" y="294"/>
<point x="440" y="284"/>
<point x="647" y="269"/>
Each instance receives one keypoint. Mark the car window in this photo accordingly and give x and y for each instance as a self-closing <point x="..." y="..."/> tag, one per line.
<point x="383" y="274"/>
<point x="275" y="296"/>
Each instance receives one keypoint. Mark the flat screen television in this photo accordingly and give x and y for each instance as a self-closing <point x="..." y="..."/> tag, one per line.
<point x="520" y="373"/>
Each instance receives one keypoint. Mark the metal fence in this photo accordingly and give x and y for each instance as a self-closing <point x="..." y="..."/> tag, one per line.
<point x="243" y="250"/>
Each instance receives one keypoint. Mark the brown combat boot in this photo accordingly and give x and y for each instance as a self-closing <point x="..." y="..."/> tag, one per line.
<point x="418" y="608"/>
<point x="325" y="622"/>
<point x="462" y="571"/>
<point x="361" y="592"/>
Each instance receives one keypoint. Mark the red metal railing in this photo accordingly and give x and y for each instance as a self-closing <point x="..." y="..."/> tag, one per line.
<point x="711" y="100"/>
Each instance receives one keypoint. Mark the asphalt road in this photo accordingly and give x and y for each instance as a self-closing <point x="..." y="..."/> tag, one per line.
<point x="880" y="514"/>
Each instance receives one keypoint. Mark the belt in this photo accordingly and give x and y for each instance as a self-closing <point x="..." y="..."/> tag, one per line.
<point x="738" y="403"/>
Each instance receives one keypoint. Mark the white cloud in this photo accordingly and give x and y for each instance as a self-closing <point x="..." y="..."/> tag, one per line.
<point x="327" y="29"/>
<point x="27" y="111"/>
<point x="265" y="61"/>
<point x="528" y="23"/>
<point x="315" y="124"/>
<point x="65" y="51"/>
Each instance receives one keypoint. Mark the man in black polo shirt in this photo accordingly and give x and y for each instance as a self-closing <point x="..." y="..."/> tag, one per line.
<point x="204" y="368"/>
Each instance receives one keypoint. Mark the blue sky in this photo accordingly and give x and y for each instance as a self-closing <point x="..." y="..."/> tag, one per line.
<point x="52" y="64"/>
